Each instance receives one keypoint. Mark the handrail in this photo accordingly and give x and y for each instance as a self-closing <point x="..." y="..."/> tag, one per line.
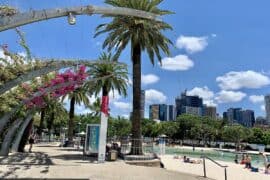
<point x="215" y="162"/>
<point x="223" y="166"/>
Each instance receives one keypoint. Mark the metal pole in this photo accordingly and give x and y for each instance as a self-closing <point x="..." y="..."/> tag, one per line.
<point x="204" y="169"/>
<point x="225" y="173"/>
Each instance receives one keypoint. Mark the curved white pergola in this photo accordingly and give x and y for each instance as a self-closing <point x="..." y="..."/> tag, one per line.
<point x="49" y="66"/>
<point x="5" y="119"/>
<point x="20" y="19"/>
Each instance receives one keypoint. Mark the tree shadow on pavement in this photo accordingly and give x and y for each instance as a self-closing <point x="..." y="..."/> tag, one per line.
<point x="24" y="161"/>
<point x="76" y="157"/>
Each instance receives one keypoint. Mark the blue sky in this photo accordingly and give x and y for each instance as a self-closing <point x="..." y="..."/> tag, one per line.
<point x="221" y="50"/>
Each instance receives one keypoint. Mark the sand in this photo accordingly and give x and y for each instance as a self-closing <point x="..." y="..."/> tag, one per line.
<point x="234" y="171"/>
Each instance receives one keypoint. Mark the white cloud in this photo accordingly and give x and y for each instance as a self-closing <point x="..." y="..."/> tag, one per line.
<point x="123" y="106"/>
<point x="243" y="79"/>
<point x="2" y="55"/>
<point x="130" y="81"/>
<point x="177" y="63"/>
<point x="114" y="96"/>
<point x="214" y="35"/>
<point x="229" y="96"/>
<point x="262" y="108"/>
<point x="126" y="116"/>
<point x="81" y="109"/>
<point x="192" y="44"/>
<point x="205" y="93"/>
<point x="149" y="79"/>
<point x="256" y="99"/>
<point x="23" y="54"/>
<point x="153" y="96"/>
<point x="210" y="102"/>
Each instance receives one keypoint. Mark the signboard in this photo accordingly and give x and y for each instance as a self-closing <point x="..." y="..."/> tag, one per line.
<point x="92" y="139"/>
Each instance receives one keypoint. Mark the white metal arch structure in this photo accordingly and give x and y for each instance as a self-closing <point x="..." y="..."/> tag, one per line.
<point x="5" y="119"/>
<point x="20" y="19"/>
<point x="49" y="66"/>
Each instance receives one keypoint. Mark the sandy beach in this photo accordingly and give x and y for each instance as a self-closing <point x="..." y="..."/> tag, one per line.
<point x="234" y="171"/>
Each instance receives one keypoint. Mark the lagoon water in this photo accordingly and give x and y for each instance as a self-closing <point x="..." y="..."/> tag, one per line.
<point x="257" y="161"/>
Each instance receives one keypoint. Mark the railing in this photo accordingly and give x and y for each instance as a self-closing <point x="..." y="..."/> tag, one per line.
<point x="144" y="145"/>
<point x="204" y="167"/>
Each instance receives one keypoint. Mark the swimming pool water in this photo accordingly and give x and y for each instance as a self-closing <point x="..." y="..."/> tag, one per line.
<point x="257" y="161"/>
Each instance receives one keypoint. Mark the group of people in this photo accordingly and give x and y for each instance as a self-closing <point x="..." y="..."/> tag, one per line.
<point x="246" y="160"/>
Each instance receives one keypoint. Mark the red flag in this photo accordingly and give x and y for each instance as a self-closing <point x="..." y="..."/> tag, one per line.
<point x="105" y="105"/>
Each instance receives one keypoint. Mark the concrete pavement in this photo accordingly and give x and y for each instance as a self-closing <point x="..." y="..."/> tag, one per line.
<point x="50" y="161"/>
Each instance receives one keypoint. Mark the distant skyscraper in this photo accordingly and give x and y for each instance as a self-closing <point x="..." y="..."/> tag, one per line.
<point x="248" y="118"/>
<point x="261" y="122"/>
<point x="189" y="105"/>
<point x="210" y="111"/>
<point x="239" y="116"/>
<point x="163" y="112"/>
<point x="267" y="108"/>
<point x="233" y="115"/>
<point x="154" y="111"/>
<point x="170" y="113"/>
<point x="142" y="103"/>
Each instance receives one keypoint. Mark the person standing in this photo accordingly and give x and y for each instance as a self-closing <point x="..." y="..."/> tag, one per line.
<point x="31" y="142"/>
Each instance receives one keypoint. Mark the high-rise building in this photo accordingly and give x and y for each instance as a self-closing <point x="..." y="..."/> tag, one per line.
<point x="210" y="111"/>
<point x="163" y="112"/>
<point x="171" y="113"/>
<point x="248" y="118"/>
<point x="142" y="103"/>
<point x="189" y="105"/>
<point x="233" y="115"/>
<point x="154" y="111"/>
<point x="239" y="116"/>
<point x="261" y="122"/>
<point x="267" y="108"/>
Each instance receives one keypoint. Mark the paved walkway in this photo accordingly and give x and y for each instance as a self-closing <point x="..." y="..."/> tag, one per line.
<point x="50" y="161"/>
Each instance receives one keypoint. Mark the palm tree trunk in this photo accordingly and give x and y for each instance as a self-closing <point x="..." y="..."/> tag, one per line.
<point x="71" y="121"/>
<point x="50" y="125"/>
<point x="41" y="123"/>
<point x="136" y="146"/>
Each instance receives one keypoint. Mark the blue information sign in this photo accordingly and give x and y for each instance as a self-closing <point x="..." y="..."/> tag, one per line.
<point x="92" y="138"/>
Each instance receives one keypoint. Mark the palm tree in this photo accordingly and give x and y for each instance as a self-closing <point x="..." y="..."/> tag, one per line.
<point x="79" y="96"/>
<point x="117" y="76"/>
<point x="95" y="108"/>
<point x="54" y="109"/>
<point x="142" y="35"/>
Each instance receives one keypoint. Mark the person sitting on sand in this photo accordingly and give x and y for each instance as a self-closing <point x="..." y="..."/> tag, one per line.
<point x="188" y="160"/>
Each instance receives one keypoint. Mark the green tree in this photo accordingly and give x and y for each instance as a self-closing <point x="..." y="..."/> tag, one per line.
<point x="235" y="133"/>
<point x="142" y="35"/>
<point x="79" y="96"/>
